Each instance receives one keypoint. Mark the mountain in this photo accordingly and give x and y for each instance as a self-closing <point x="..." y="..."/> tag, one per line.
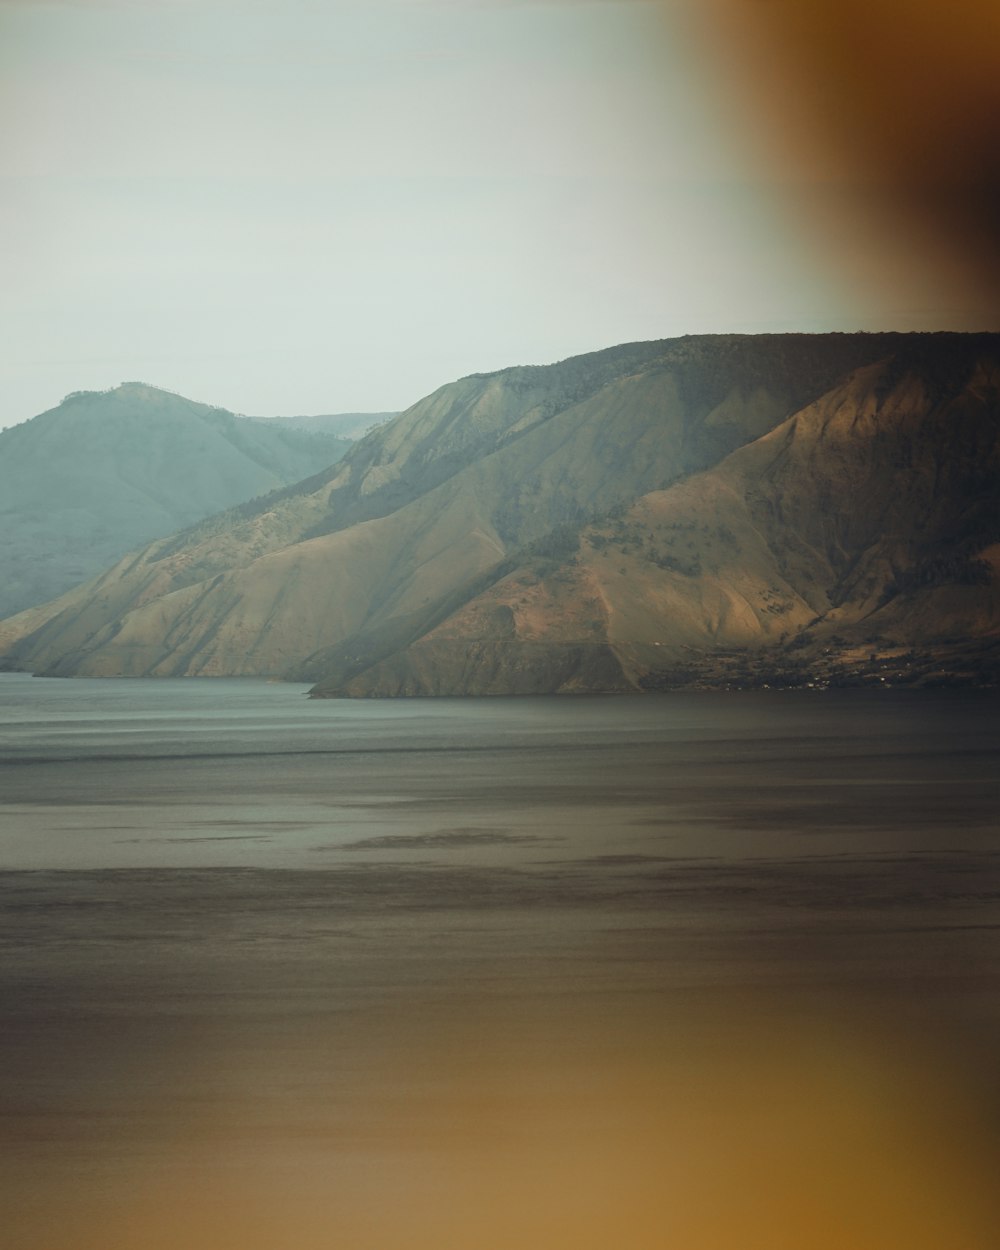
<point x="710" y="510"/>
<point x="107" y="471"/>
<point x="346" y="425"/>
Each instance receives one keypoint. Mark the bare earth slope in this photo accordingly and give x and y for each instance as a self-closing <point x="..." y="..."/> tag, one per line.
<point x="107" y="471"/>
<point x="859" y="541"/>
<point x="709" y="510"/>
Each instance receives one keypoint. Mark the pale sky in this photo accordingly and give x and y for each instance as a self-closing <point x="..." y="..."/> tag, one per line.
<point x="303" y="206"/>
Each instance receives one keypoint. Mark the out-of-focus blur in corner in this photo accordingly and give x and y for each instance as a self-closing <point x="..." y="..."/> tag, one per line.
<point x="732" y="1128"/>
<point x="880" y="122"/>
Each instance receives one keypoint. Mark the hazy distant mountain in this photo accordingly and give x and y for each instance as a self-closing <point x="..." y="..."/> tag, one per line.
<point x="107" y="471"/>
<point x="347" y="425"/>
<point x="709" y="510"/>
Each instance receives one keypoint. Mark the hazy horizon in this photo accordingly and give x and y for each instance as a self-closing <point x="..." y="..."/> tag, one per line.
<point x="339" y="207"/>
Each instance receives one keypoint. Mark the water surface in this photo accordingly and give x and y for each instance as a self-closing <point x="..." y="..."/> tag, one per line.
<point x="284" y="943"/>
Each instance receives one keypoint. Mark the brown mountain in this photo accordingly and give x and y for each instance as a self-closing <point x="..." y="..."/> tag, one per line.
<point x="707" y="510"/>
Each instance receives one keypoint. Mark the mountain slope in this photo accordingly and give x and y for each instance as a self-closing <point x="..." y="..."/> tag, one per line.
<point x="346" y="425"/>
<point x="697" y="510"/>
<point x="857" y="541"/>
<point x="108" y="471"/>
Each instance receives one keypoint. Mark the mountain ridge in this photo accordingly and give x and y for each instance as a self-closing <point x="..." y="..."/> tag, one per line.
<point x="107" y="471"/>
<point x="711" y="510"/>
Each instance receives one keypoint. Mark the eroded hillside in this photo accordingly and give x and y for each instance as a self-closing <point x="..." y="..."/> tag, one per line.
<point x="710" y="510"/>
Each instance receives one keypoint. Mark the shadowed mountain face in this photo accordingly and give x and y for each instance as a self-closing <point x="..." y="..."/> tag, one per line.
<point x="710" y="510"/>
<point x="105" y="472"/>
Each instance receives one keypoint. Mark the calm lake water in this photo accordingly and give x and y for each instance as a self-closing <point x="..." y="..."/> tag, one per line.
<point x="270" y="967"/>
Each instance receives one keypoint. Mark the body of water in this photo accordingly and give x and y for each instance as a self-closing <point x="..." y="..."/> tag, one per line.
<point x="285" y="972"/>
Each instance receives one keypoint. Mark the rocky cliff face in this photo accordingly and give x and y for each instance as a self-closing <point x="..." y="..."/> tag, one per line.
<point x="108" y="471"/>
<point x="710" y="511"/>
